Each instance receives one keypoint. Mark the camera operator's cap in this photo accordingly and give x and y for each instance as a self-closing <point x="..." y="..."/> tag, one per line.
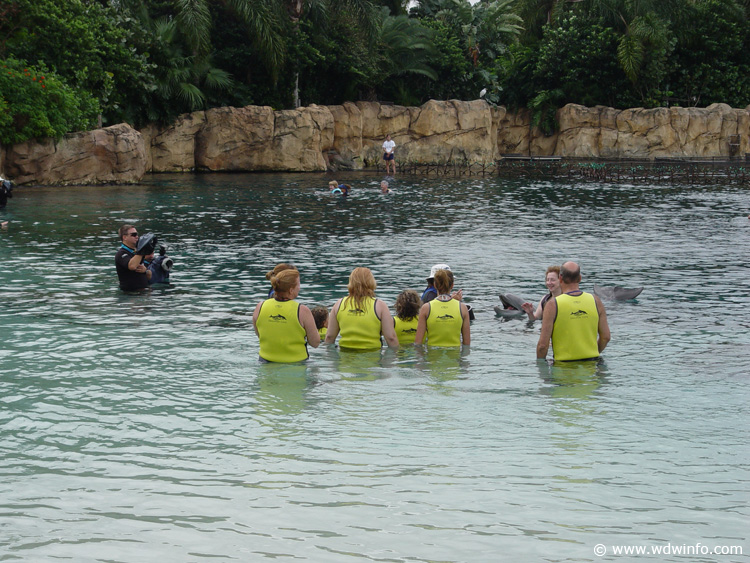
<point x="437" y="267"/>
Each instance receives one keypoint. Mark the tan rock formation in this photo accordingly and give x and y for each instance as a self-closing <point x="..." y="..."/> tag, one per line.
<point x="258" y="138"/>
<point x="172" y="149"/>
<point x="235" y="139"/>
<point x="449" y="131"/>
<point x="639" y="133"/>
<point x="311" y="138"/>
<point x="114" y="154"/>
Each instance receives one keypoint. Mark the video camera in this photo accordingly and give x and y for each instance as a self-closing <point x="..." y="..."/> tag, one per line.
<point x="146" y="244"/>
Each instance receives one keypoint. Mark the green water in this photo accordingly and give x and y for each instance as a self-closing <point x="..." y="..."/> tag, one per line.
<point x="143" y="428"/>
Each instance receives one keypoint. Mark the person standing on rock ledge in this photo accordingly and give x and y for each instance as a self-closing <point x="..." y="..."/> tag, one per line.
<point x="388" y="156"/>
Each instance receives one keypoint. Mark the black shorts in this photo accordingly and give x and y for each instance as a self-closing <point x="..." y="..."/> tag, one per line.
<point x="387" y="156"/>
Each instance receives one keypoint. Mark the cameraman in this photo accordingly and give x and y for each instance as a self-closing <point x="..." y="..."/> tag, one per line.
<point x="131" y="271"/>
<point x="6" y="191"/>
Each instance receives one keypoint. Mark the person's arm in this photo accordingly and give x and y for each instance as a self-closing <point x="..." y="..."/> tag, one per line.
<point x="136" y="264"/>
<point x="424" y="312"/>
<point x="539" y="313"/>
<point x="308" y="323"/>
<point x="458" y="295"/>
<point x="466" y="326"/>
<point x="528" y="308"/>
<point x="256" y="312"/>
<point x="604" y="334"/>
<point x="386" y="324"/>
<point x="548" y="323"/>
<point x="333" y="324"/>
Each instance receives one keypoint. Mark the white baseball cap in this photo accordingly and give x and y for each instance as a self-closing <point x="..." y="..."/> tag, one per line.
<point x="437" y="267"/>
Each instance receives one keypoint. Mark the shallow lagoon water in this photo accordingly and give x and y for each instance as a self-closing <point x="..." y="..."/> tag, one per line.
<point x="142" y="427"/>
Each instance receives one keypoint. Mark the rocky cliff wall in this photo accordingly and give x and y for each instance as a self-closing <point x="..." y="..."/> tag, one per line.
<point x="315" y="138"/>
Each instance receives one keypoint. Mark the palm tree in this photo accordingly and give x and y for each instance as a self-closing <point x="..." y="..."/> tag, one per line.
<point x="319" y="11"/>
<point x="641" y="25"/>
<point x="263" y="19"/>
<point x="406" y="47"/>
<point x="182" y="81"/>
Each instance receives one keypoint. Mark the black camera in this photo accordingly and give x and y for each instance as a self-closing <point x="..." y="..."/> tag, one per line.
<point x="146" y="244"/>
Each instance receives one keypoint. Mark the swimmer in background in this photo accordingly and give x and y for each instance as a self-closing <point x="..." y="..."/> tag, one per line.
<point x="320" y="314"/>
<point x="339" y="189"/>
<point x="384" y="189"/>
<point x="276" y="270"/>
<point x="552" y="281"/>
<point x="407" y="316"/>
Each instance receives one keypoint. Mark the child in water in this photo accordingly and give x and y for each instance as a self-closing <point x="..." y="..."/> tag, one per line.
<point x="339" y="189"/>
<point x="320" y="314"/>
<point x="407" y="316"/>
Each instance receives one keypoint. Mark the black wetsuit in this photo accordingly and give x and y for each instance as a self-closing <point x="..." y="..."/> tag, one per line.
<point x="5" y="193"/>
<point x="130" y="280"/>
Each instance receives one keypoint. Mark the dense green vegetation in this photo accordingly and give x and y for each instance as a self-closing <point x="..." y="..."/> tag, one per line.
<point x="70" y="64"/>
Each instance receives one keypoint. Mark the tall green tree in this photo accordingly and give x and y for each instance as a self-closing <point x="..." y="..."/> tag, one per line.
<point x="89" y="46"/>
<point x="711" y="62"/>
<point x="643" y="29"/>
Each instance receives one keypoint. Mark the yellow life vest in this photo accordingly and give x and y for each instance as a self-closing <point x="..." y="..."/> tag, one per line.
<point x="574" y="334"/>
<point x="359" y="328"/>
<point x="322" y="332"/>
<point x="282" y="337"/>
<point x="444" y="323"/>
<point x="405" y="330"/>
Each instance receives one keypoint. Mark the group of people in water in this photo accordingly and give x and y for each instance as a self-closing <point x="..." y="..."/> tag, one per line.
<point x="344" y="189"/>
<point x="574" y="321"/>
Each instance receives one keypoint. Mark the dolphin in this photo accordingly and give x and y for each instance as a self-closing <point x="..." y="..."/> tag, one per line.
<point x="617" y="293"/>
<point x="513" y="301"/>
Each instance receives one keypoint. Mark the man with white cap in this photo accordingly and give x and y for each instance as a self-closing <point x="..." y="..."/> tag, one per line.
<point x="430" y="292"/>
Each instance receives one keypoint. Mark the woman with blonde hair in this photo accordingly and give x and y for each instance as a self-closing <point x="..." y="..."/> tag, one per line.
<point x="360" y="317"/>
<point x="283" y="326"/>
<point x="444" y="320"/>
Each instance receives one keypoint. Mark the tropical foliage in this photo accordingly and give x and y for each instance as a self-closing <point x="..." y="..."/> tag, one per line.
<point x="35" y="102"/>
<point x="141" y="61"/>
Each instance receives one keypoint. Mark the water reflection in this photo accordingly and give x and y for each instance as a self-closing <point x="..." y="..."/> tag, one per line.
<point x="154" y="410"/>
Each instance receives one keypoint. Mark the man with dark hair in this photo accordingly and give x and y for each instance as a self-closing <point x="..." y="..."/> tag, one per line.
<point x="131" y="271"/>
<point x="575" y="321"/>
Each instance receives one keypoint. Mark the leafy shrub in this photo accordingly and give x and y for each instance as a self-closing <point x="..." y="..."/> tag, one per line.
<point x="36" y="103"/>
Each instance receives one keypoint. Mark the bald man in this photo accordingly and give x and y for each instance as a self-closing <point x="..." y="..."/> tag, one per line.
<point x="575" y="321"/>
